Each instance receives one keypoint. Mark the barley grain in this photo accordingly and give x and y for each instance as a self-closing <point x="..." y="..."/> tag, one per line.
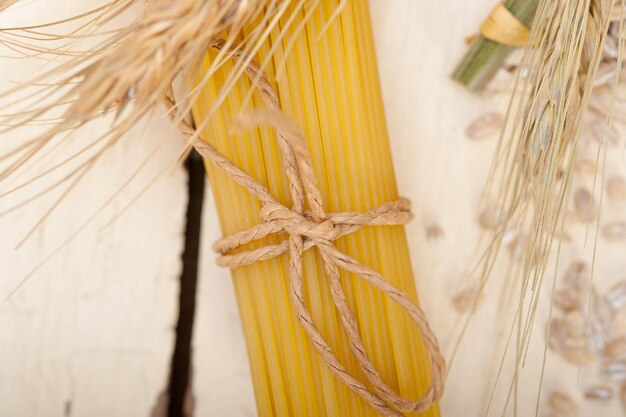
<point x="485" y="126"/>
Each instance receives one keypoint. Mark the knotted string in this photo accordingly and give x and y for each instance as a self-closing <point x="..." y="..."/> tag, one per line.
<point x="307" y="229"/>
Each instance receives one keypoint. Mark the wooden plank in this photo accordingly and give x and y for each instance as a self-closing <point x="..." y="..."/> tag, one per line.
<point x="221" y="375"/>
<point x="91" y="332"/>
<point x="94" y="327"/>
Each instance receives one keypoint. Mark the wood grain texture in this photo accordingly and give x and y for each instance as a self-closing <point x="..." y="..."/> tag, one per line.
<point x="93" y="329"/>
<point x="91" y="333"/>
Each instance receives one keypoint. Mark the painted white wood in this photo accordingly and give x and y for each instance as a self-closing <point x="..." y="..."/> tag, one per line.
<point x="91" y="333"/>
<point x="93" y="328"/>
<point x="221" y="379"/>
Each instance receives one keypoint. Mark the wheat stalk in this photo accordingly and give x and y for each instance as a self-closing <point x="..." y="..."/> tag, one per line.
<point x="534" y="163"/>
<point x="124" y="72"/>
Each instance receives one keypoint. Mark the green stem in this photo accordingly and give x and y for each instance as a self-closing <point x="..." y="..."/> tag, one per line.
<point x="485" y="57"/>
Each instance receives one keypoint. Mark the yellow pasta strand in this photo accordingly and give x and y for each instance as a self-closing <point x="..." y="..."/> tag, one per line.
<point x="329" y="85"/>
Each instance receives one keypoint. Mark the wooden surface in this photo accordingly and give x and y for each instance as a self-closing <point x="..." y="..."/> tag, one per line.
<point x="91" y="333"/>
<point x="92" y="330"/>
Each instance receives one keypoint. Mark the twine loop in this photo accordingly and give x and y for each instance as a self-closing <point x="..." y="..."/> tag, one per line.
<point x="315" y="227"/>
<point x="278" y="219"/>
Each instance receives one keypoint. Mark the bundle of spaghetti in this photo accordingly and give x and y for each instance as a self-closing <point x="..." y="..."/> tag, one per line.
<point x="326" y="80"/>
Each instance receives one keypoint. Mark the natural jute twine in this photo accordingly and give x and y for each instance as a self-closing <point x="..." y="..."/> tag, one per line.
<point x="307" y="229"/>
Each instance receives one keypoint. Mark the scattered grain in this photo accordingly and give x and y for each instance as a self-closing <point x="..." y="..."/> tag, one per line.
<point x="434" y="231"/>
<point x="616" y="348"/>
<point x="577" y="355"/>
<point x="574" y="325"/>
<point x="556" y="336"/>
<point x="618" y="327"/>
<point x="616" y="296"/>
<point x="596" y="336"/>
<point x="600" y="393"/>
<point x="614" y="370"/>
<point x="562" y="235"/>
<point x="516" y="247"/>
<point x="567" y="300"/>
<point x="490" y="217"/>
<point x="562" y="404"/>
<point x="576" y="276"/>
<point x="601" y="311"/>
<point x="485" y="126"/>
<point x="614" y="231"/>
<point x="585" y="205"/>
<point x="616" y="188"/>
<point x="510" y="235"/>
<point x="466" y="299"/>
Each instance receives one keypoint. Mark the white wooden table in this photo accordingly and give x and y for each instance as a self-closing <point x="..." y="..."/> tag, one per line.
<point x="91" y="333"/>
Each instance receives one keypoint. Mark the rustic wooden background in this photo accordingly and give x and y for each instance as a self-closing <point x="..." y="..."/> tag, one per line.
<point x="91" y="333"/>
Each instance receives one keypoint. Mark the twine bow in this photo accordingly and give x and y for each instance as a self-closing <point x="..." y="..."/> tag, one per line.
<point x="317" y="228"/>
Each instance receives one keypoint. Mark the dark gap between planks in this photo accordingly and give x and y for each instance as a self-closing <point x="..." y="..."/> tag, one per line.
<point x="180" y="380"/>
